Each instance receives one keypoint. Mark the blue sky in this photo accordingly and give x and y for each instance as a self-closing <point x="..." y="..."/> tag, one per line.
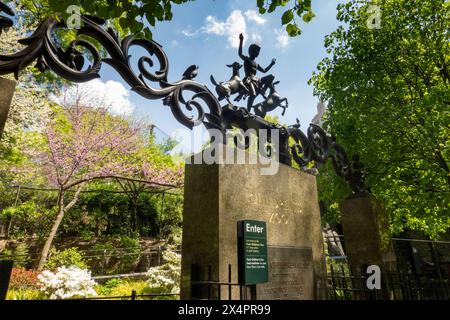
<point x="205" y="32"/>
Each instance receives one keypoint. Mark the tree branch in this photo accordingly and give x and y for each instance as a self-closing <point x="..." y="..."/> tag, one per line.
<point x="75" y="198"/>
<point x="121" y="178"/>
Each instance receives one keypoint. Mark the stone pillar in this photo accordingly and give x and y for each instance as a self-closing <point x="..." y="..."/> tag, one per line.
<point x="7" y="88"/>
<point x="217" y="196"/>
<point x="367" y="238"/>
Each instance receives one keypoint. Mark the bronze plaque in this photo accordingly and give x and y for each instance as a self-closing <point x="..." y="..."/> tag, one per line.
<point x="291" y="275"/>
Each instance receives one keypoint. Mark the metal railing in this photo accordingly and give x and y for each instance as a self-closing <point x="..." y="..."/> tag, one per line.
<point x="208" y="289"/>
<point x="422" y="272"/>
<point x="346" y="285"/>
<point x="133" y="296"/>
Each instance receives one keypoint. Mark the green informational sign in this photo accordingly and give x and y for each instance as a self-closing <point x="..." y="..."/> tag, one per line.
<point x="252" y="252"/>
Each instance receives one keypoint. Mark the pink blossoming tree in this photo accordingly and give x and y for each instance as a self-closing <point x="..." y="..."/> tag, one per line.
<point x="84" y="144"/>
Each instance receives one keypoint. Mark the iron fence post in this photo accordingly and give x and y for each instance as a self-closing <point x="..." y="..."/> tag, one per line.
<point x="5" y="276"/>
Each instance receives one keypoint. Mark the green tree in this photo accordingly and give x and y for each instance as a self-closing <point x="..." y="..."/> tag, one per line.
<point x="388" y="95"/>
<point x="82" y="144"/>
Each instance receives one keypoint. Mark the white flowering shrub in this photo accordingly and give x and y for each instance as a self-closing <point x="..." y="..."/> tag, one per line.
<point x="67" y="282"/>
<point x="166" y="278"/>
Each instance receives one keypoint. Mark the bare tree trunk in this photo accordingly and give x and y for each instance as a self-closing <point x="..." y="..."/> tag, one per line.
<point x="61" y="211"/>
<point x="8" y="227"/>
<point x="51" y="236"/>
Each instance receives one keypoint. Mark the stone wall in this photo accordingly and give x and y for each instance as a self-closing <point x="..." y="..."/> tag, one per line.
<point x="217" y="196"/>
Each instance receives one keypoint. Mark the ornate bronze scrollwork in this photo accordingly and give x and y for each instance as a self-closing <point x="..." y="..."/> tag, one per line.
<point x="183" y="95"/>
<point x="68" y="63"/>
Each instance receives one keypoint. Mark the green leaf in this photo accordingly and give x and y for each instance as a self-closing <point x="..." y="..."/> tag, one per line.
<point x="123" y="22"/>
<point x="58" y="5"/>
<point x="307" y="17"/>
<point x="293" y="30"/>
<point x="150" y="19"/>
<point x="104" y="12"/>
<point x="272" y="7"/>
<point x="159" y="12"/>
<point x="148" y="34"/>
<point x="287" y="17"/>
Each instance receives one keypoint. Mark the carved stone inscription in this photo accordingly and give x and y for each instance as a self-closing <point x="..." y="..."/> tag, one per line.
<point x="291" y="275"/>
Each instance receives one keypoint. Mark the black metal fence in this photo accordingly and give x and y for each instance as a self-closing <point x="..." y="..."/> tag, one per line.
<point x="344" y="284"/>
<point x="203" y="287"/>
<point x="135" y="296"/>
<point x="422" y="272"/>
<point x="105" y="263"/>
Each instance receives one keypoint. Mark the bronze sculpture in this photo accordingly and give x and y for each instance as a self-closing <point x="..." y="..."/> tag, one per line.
<point x="273" y="101"/>
<point x="234" y="85"/>
<point x="254" y="84"/>
<point x="251" y="86"/>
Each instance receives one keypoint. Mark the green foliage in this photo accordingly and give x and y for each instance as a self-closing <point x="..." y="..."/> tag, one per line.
<point x="112" y="288"/>
<point x="340" y="269"/>
<point x="124" y="287"/>
<point x="169" y="219"/>
<point x="388" y="96"/>
<point x="114" y="212"/>
<point x="67" y="257"/>
<point x="27" y="218"/>
<point x="115" y="255"/>
<point x="133" y="253"/>
<point x="101" y="260"/>
<point x="301" y="9"/>
<point x="25" y="294"/>
<point x="107" y="288"/>
<point x="332" y="189"/>
<point x="19" y="254"/>
<point x="168" y="145"/>
<point x="126" y="16"/>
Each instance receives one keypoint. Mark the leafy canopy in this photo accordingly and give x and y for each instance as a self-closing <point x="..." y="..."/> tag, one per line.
<point x="388" y="95"/>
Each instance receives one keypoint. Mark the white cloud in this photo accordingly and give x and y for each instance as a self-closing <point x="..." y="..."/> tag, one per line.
<point x="283" y="39"/>
<point x="189" y="33"/>
<point x="236" y="23"/>
<point x="256" y="38"/>
<point x="96" y="93"/>
<point x="231" y="27"/>
<point x="253" y="15"/>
